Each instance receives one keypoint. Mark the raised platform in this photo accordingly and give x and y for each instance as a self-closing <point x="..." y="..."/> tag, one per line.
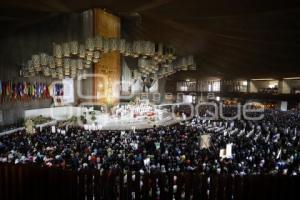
<point x="106" y="121"/>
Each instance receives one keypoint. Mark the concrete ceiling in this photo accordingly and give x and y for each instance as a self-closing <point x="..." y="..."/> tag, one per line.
<point x="232" y="39"/>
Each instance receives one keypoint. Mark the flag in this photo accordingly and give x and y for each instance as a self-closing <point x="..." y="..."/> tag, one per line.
<point x="37" y="90"/>
<point x="15" y="90"/>
<point x="50" y="90"/>
<point x="41" y="89"/>
<point x="33" y="89"/>
<point x="46" y="91"/>
<point x="25" y="88"/>
<point x="62" y="89"/>
<point x="20" y="89"/>
<point x="8" y="88"/>
<point x="29" y="89"/>
<point x="57" y="90"/>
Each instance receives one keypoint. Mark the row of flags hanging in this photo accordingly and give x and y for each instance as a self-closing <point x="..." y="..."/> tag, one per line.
<point x="18" y="91"/>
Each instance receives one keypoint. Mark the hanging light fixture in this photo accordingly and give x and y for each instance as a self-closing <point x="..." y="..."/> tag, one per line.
<point x="73" y="75"/>
<point x="84" y="73"/>
<point x="87" y="62"/>
<point x="98" y="43"/>
<point x="95" y="60"/>
<point x="134" y="49"/>
<point x="89" y="44"/>
<point x="61" y="76"/>
<point x="97" y="54"/>
<point x="171" y="52"/>
<point x="44" y="59"/>
<point x="170" y="69"/>
<point x="67" y="63"/>
<point x="81" y="51"/>
<point x="113" y="44"/>
<point x="57" y="51"/>
<point x="184" y="64"/>
<point x="105" y="45"/>
<point x="36" y="61"/>
<point x="38" y="69"/>
<point x="90" y="47"/>
<point x="135" y="74"/>
<point x="155" y="59"/>
<point x="89" y="58"/>
<point x="79" y="74"/>
<point x="59" y="62"/>
<point x="32" y="73"/>
<point x="73" y="64"/>
<point x="24" y="72"/>
<point x="67" y="71"/>
<point x="122" y="46"/>
<point x="51" y="62"/>
<point x="46" y="71"/>
<point x="74" y="71"/>
<point x="59" y="71"/>
<point x="152" y="49"/>
<point x="142" y="63"/>
<point x="147" y="48"/>
<point x="160" y="49"/>
<point x="30" y="66"/>
<point x="79" y="64"/>
<point x="190" y="60"/>
<point x="74" y="47"/>
<point x="165" y="71"/>
<point x="53" y="73"/>
<point x="137" y="48"/>
<point x="66" y="49"/>
<point x="128" y="49"/>
<point x="73" y="68"/>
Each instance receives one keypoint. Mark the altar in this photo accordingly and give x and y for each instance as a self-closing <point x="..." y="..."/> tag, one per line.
<point x="135" y="116"/>
<point x="122" y="117"/>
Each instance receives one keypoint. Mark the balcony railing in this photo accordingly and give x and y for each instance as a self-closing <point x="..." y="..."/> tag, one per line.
<point x="28" y="182"/>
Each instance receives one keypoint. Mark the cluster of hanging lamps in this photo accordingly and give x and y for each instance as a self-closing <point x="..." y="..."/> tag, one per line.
<point x="71" y="59"/>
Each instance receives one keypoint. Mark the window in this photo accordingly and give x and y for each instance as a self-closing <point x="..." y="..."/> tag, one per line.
<point x="214" y="86"/>
<point x="184" y="86"/>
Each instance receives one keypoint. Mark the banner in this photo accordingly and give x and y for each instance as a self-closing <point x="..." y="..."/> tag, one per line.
<point x="205" y="141"/>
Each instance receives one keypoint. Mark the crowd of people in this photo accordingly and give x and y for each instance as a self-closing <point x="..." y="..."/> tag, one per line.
<point x="267" y="146"/>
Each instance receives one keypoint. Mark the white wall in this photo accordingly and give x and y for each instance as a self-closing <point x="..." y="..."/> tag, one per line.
<point x="58" y="113"/>
<point x="255" y="85"/>
<point x="252" y="87"/>
<point x="284" y="86"/>
<point x="293" y="83"/>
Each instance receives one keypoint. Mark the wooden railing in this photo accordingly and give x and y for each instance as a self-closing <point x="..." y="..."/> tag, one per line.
<point x="29" y="182"/>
